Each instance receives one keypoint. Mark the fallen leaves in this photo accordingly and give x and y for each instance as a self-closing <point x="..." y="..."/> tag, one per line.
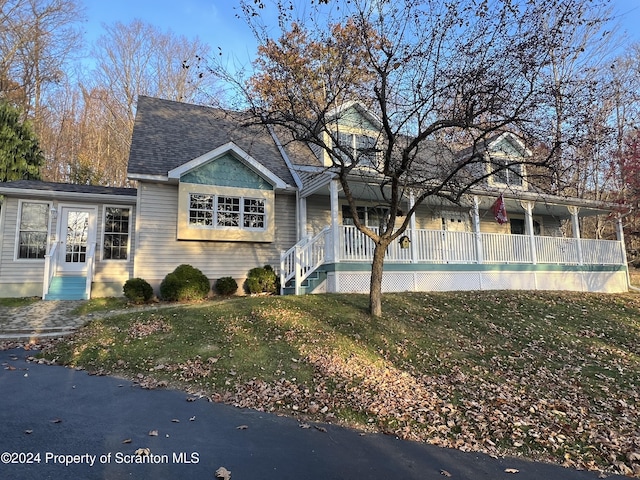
<point x="143" y="328"/>
<point x="552" y="377"/>
<point x="223" y="473"/>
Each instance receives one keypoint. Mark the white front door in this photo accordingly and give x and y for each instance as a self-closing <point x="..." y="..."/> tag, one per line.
<point x="77" y="233"/>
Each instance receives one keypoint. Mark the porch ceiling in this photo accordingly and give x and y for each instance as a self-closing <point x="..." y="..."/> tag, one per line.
<point x="553" y="205"/>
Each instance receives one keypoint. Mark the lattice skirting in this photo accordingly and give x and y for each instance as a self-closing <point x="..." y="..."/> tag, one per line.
<point x="443" y="280"/>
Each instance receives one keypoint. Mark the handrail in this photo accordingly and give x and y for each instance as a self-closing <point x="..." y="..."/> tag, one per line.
<point x="441" y="246"/>
<point x="303" y="259"/>
<point x="312" y="254"/>
<point x="49" y="268"/>
<point x="90" y="269"/>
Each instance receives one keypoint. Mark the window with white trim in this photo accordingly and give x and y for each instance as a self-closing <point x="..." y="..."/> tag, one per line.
<point x="506" y="172"/>
<point x="115" y="240"/>
<point x="361" y="147"/>
<point x="369" y="216"/>
<point x="224" y="211"/>
<point x="33" y="230"/>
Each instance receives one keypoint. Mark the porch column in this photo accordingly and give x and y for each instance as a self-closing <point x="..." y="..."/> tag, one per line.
<point x="413" y="245"/>
<point x="623" y="249"/>
<point x="475" y="220"/>
<point x="528" y="217"/>
<point x="335" y="224"/>
<point x="303" y="233"/>
<point x="575" y="226"/>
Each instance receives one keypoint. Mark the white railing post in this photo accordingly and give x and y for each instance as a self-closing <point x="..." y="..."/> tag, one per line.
<point x="575" y="224"/>
<point x="49" y="268"/>
<point x="335" y="227"/>
<point x="90" y="269"/>
<point x="528" y="216"/>
<point x="282" y="272"/>
<point x="413" y="240"/>
<point x="475" y="220"/>
<point x="298" y="270"/>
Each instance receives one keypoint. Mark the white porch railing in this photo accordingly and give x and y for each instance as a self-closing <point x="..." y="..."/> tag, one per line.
<point x="303" y="259"/>
<point x="439" y="246"/>
<point x="49" y="268"/>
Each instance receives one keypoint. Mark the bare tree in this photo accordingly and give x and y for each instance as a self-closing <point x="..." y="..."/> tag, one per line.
<point x="459" y="70"/>
<point x="132" y="60"/>
<point x="37" y="39"/>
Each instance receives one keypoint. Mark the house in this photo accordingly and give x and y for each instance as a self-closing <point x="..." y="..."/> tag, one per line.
<point x="224" y="195"/>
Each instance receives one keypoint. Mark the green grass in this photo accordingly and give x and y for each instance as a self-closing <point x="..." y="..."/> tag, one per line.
<point x="101" y="305"/>
<point x="550" y="376"/>
<point x="18" y="302"/>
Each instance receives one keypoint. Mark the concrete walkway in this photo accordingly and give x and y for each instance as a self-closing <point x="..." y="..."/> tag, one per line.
<point x="40" y="320"/>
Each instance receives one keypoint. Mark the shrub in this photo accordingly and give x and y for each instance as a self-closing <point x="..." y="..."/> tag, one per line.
<point x="185" y="283"/>
<point x="137" y="290"/>
<point x="226" y="286"/>
<point x="262" y="280"/>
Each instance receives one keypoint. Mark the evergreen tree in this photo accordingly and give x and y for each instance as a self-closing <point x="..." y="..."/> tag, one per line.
<point x="20" y="154"/>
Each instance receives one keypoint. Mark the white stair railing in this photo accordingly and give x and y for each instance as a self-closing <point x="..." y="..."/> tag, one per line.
<point x="49" y="268"/>
<point x="91" y="265"/>
<point x="303" y="259"/>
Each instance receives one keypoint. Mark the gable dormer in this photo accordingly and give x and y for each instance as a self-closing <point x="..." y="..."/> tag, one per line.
<point x="357" y="131"/>
<point x="226" y="195"/>
<point x="505" y="157"/>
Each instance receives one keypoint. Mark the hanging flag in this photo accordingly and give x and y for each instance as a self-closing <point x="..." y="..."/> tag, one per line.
<point x="500" y="211"/>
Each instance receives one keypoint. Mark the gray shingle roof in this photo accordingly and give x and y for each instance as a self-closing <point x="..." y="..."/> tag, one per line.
<point x="168" y="134"/>
<point x="67" y="188"/>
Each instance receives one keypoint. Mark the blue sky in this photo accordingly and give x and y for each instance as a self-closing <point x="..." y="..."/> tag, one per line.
<point x="216" y="24"/>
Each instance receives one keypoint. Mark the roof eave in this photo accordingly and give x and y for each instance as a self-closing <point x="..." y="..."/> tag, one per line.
<point x="59" y="195"/>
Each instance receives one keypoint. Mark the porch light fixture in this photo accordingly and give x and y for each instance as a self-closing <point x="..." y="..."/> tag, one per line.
<point x="54" y="213"/>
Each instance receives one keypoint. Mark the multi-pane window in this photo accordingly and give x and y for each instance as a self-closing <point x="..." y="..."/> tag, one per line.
<point x="254" y="213"/>
<point x="116" y="233"/>
<point x="201" y="209"/>
<point x="217" y="211"/>
<point x="228" y="212"/>
<point x="505" y="173"/>
<point x="32" y="236"/>
<point x="369" y="216"/>
<point x="360" y="147"/>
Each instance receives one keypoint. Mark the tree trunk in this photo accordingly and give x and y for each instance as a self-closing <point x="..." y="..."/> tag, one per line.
<point x="375" y="287"/>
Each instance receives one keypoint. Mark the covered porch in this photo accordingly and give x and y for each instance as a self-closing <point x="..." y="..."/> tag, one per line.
<point x="338" y="258"/>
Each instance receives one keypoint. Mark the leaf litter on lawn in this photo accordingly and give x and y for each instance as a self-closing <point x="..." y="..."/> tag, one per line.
<point x="545" y="375"/>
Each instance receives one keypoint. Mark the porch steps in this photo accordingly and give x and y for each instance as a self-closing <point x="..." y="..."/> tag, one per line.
<point x="308" y="285"/>
<point x="67" y="288"/>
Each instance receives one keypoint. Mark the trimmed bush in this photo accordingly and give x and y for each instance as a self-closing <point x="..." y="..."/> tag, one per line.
<point x="185" y="283"/>
<point x="262" y="280"/>
<point x="226" y="286"/>
<point x="137" y="290"/>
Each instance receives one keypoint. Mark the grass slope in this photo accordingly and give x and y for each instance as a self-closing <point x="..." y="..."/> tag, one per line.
<point x="548" y="376"/>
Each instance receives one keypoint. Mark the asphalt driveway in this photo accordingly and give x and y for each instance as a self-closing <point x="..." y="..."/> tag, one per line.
<point x="59" y="423"/>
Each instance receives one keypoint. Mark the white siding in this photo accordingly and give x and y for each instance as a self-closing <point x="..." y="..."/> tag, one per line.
<point x="15" y="271"/>
<point x="159" y="252"/>
<point x="318" y="213"/>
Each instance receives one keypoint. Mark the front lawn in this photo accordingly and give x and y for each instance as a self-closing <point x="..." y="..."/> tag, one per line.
<point x="548" y="376"/>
